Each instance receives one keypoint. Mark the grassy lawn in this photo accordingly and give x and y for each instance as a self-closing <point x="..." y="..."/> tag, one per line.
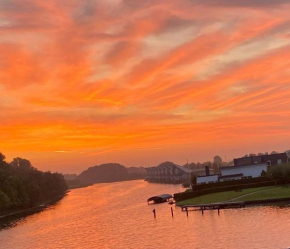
<point x="223" y="196"/>
<point x="273" y="193"/>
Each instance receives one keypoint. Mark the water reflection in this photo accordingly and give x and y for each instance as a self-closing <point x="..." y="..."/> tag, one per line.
<point x="116" y="215"/>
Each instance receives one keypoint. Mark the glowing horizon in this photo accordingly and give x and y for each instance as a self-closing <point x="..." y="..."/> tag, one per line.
<point x="141" y="82"/>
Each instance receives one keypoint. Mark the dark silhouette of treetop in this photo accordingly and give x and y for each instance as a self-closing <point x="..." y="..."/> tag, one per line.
<point x="217" y="160"/>
<point x="23" y="186"/>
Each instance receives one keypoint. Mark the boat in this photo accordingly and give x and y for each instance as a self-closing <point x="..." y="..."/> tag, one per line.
<point x="159" y="199"/>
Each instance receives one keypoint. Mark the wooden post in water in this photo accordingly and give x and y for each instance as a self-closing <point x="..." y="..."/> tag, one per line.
<point x="154" y="212"/>
<point x="218" y="210"/>
<point x="202" y="210"/>
<point x="187" y="212"/>
<point x="172" y="212"/>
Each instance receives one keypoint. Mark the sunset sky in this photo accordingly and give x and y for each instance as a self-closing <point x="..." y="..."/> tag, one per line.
<point x="140" y="82"/>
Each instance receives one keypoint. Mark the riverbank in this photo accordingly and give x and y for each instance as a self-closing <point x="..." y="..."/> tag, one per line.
<point x="249" y="196"/>
<point x="76" y="183"/>
<point x="37" y="208"/>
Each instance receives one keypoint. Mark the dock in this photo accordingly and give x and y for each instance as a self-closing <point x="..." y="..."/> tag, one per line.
<point x="212" y="206"/>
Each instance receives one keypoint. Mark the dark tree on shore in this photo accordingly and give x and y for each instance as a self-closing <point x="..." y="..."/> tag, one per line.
<point x="193" y="179"/>
<point x="281" y="172"/>
<point x="23" y="186"/>
<point x="218" y="160"/>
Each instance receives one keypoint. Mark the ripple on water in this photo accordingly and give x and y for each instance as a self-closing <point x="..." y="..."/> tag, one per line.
<point x="116" y="215"/>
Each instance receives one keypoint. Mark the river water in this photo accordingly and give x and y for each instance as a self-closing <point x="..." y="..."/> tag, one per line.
<point x="116" y="215"/>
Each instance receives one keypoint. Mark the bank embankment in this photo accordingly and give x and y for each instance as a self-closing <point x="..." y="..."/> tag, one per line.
<point x="250" y="196"/>
<point x="33" y="209"/>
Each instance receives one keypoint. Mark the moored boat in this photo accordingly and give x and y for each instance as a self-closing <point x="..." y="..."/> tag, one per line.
<point x="159" y="199"/>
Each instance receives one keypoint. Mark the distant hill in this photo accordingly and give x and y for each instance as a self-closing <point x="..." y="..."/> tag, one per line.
<point x="70" y="177"/>
<point x="136" y="173"/>
<point x="110" y="172"/>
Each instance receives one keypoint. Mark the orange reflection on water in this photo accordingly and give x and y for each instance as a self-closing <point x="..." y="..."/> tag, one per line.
<point x="116" y="215"/>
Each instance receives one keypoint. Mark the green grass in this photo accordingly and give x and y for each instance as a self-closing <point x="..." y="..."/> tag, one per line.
<point x="220" y="197"/>
<point x="272" y="193"/>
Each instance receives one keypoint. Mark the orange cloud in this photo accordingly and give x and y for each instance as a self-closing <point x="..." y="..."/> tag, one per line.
<point x="115" y="80"/>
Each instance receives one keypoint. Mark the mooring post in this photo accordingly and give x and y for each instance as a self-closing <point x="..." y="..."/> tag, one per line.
<point x="172" y="212"/>
<point x="154" y="212"/>
<point x="187" y="212"/>
<point x="218" y="210"/>
<point x="202" y="210"/>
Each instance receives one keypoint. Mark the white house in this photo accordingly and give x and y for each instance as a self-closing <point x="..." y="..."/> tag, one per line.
<point x="239" y="172"/>
<point x="207" y="179"/>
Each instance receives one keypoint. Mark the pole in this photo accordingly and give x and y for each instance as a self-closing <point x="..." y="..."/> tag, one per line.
<point x="187" y="212"/>
<point x="172" y="212"/>
<point x="154" y="212"/>
<point x="202" y="211"/>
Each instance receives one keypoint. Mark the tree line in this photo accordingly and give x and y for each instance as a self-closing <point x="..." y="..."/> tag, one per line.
<point x="23" y="186"/>
<point x="215" y="164"/>
<point x="279" y="173"/>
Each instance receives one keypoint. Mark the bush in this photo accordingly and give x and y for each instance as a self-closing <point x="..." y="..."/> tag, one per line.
<point x="193" y="179"/>
<point x="281" y="172"/>
<point x="4" y="201"/>
<point x="186" y="185"/>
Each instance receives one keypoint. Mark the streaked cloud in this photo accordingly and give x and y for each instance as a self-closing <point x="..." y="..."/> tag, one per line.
<point x="115" y="79"/>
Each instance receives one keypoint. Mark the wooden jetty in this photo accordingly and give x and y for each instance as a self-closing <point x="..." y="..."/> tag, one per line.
<point x="212" y="206"/>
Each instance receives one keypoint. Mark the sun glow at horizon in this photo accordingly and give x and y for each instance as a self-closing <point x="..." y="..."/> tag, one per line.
<point x="139" y="82"/>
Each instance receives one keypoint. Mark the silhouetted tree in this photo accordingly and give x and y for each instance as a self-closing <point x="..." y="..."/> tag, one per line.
<point x="190" y="166"/>
<point x="2" y="157"/>
<point x="21" y="163"/>
<point x="198" y="165"/>
<point x="193" y="179"/>
<point x="275" y="173"/>
<point x="218" y="160"/>
<point x="264" y="173"/>
<point x="22" y="186"/>
<point x="208" y="163"/>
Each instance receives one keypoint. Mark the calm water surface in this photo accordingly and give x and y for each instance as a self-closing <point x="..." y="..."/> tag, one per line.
<point x="117" y="216"/>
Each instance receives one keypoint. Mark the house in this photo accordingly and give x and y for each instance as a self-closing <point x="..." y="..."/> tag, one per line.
<point x="241" y="172"/>
<point x="273" y="159"/>
<point x="201" y="172"/>
<point x="245" y="167"/>
<point x="169" y="172"/>
<point x="233" y="173"/>
<point x="207" y="179"/>
<point x="251" y="166"/>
